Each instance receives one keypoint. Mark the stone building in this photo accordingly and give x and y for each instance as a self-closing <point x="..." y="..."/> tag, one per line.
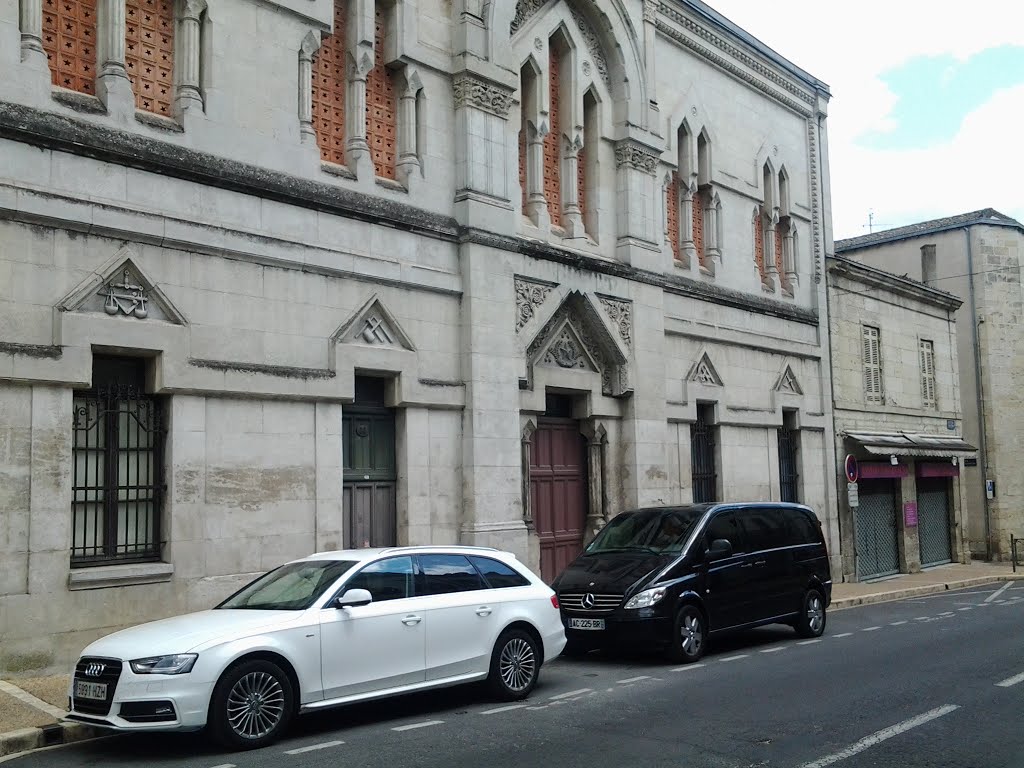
<point x="896" y="400"/>
<point x="978" y="257"/>
<point x="308" y="274"/>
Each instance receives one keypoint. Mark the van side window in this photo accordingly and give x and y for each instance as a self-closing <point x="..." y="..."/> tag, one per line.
<point x="805" y="530"/>
<point x="765" y="528"/>
<point x="725" y="526"/>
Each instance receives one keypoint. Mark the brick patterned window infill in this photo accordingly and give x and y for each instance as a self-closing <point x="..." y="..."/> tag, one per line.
<point x="759" y="242"/>
<point x="698" y="225"/>
<point x="381" y="106"/>
<point x="69" y="39"/>
<point x="552" y="142"/>
<point x="780" y="233"/>
<point x="581" y="182"/>
<point x="149" y="53"/>
<point x="329" y="91"/>
<point x="672" y="214"/>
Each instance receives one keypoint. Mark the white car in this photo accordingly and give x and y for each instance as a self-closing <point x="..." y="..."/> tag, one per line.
<point x="330" y="629"/>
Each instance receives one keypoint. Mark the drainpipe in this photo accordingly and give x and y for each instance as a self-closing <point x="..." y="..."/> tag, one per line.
<point x="982" y="437"/>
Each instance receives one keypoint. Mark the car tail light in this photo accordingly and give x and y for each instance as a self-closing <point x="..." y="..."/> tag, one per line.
<point x="554" y="601"/>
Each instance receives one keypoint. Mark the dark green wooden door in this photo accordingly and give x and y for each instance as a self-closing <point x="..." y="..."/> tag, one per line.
<point x="368" y="430"/>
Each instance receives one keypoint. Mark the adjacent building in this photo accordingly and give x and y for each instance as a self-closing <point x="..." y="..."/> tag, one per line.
<point x="898" y="422"/>
<point x="299" y="275"/>
<point x="976" y="256"/>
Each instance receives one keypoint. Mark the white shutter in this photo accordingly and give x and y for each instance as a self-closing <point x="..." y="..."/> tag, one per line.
<point x="928" y="374"/>
<point x="872" y="365"/>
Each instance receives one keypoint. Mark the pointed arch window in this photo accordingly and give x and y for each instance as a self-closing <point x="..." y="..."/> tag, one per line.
<point x="329" y="85"/>
<point x="69" y="40"/>
<point x="553" y="141"/>
<point x="149" y="54"/>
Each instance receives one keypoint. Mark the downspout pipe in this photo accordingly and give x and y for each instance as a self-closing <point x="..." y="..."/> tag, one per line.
<point x="980" y="395"/>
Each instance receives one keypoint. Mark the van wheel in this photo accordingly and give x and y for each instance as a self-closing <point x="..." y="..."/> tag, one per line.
<point x="811" y="622"/>
<point x="515" y="666"/>
<point x="251" y="706"/>
<point x="689" y="636"/>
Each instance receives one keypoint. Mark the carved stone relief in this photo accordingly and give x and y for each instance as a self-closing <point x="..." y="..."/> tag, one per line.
<point x="788" y="383"/>
<point x="621" y="314"/>
<point x="593" y="44"/>
<point x="126" y="296"/>
<point x="472" y="91"/>
<point x="566" y="352"/>
<point x="530" y="295"/>
<point x="524" y="10"/>
<point x="704" y="373"/>
<point x="628" y="152"/>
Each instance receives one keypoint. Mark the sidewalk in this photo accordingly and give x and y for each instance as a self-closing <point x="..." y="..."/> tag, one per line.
<point x="30" y="708"/>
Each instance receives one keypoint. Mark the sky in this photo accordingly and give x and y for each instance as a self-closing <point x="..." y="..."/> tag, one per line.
<point x="927" y="112"/>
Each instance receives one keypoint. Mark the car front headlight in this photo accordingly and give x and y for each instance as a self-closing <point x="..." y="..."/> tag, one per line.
<point x="646" y="599"/>
<point x="178" y="664"/>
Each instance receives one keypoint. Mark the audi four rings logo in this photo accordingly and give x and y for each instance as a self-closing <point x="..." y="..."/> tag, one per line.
<point x="95" y="670"/>
<point x="588" y="601"/>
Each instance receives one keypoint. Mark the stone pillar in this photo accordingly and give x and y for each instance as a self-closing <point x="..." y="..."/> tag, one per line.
<point x="310" y="45"/>
<point x="711" y="245"/>
<point x="597" y="515"/>
<point x="637" y="165"/>
<point x="771" y="269"/>
<point x="687" y="249"/>
<point x="527" y="457"/>
<point x="536" y="203"/>
<point x="188" y="52"/>
<point x="789" y="257"/>
<point x="408" y="165"/>
<point x="572" y="216"/>
<point x="112" y="85"/>
<point x="31" y="16"/>
<point x="908" y="544"/>
<point x="357" y="149"/>
<point x="650" y="50"/>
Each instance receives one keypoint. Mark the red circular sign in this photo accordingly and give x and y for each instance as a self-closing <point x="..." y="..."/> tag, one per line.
<point x="852" y="470"/>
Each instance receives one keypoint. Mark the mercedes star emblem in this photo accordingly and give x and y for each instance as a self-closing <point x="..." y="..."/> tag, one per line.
<point x="588" y="601"/>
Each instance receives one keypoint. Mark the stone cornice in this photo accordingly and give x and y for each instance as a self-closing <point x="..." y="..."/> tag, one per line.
<point x="902" y="286"/>
<point x="472" y="90"/>
<point x="637" y="155"/>
<point x="734" y="60"/>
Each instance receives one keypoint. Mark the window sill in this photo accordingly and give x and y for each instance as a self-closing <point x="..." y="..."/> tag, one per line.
<point x="119" y="575"/>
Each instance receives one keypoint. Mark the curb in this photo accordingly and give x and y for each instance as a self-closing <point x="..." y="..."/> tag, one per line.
<point x="924" y="589"/>
<point x="25" y="739"/>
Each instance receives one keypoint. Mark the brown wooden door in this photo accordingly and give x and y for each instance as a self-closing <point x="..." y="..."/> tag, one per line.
<point x="368" y="437"/>
<point x="558" y="493"/>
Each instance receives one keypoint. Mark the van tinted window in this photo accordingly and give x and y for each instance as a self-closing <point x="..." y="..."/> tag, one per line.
<point x="805" y="530"/>
<point x="765" y="528"/>
<point x="724" y="525"/>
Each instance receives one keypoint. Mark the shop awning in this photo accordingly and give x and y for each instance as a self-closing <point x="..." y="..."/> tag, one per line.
<point x="911" y="444"/>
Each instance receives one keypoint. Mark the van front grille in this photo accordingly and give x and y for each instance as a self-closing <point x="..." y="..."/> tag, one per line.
<point x="589" y="602"/>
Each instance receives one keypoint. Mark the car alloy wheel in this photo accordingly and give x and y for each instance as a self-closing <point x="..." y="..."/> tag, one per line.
<point x="255" y="705"/>
<point x="812" y="618"/>
<point x="689" y="637"/>
<point x="515" y="665"/>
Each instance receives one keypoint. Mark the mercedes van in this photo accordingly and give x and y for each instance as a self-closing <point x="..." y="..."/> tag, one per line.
<point x="674" y="577"/>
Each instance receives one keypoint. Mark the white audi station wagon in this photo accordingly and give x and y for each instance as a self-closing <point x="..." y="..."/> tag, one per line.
<point x="329" y="629"/>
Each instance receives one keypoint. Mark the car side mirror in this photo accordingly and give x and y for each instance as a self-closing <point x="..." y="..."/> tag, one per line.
<point x="720" y="549"/>
<point x="354" y="597"/>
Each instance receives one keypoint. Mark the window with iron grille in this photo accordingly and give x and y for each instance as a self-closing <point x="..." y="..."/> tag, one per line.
<point x="928" y="398"/>
<point x="789" y="477"/>
<point x="873" y="390"/>
<point x="702" y="455"/>
<point x="117" y="457"/>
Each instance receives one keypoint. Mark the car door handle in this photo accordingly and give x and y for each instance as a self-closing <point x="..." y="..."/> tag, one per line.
<point x="747" y="565"/>
<point x="483" y="610"/>
<point x="761" y="562"/>
<point x="411" y="621"/>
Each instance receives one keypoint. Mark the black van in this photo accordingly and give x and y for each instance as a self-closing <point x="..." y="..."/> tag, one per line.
<point x="671" y="577"/>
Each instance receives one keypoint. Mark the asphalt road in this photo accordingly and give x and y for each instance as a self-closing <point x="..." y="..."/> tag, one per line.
<point x="935" y="681"/>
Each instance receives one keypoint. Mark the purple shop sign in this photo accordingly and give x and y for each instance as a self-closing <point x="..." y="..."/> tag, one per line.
<point x="910" y="513"/>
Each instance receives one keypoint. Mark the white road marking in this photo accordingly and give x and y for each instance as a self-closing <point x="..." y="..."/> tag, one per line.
<point x="879" y="736"/>
<point x="870" y="629"/>
<point x="683" y="668"/>
<point x="898" y="623"/>
<point x="414" y="726"/>
<point x="633" y="679"/>
<point x="809" y="642"/>
<point x="776" y="649"/>
<point x="314" y="747"/>
<point x="496" y="710"/>
<point x="947" y="613"/>
<point x="1000" y="602"/>
<point x="735" y="658"/>
<point x="922" y="618"/>
<point x="844" y="634"/>
<point x="225" y="765"/>
<point x="998" y="592"/>
<point x="965" y="608"/>
<point x="1011" y="681"/>
<point x="570" y="694"/>
<point x="534" y="709"/>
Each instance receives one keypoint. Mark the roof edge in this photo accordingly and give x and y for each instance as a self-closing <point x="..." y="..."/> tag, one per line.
<point x="896" y="283"/>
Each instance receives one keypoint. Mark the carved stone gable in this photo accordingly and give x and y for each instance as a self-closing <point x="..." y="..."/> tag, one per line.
<point x="375" y="326"/>
<point x="704" y="373"/>
<point x="530" y="295"/>
<point x="524" y="10"/>
<point x="567" y="351"/>
<point x="788" y="383"/>
<point x="620" y="312"/>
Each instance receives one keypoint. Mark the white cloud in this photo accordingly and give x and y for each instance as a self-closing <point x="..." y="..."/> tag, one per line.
<point x="849" y="45"/>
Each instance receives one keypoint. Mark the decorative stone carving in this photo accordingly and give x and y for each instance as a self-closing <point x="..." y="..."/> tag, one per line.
<point x="593" y="44"/>
<point x="621" y="314"/>
<point x="524" y="10"/>
<point x="788" y="383"/>
<point x="529" y="297"/>
<point x="812" y="144"/>
<point x="636" y="155"/>
<point x="565" y="352"/>
<point x="704" y="373"/>
<point x="472" y="91"/>
<point x="376" y="331"/>
<point x="372" y="324"/>
<point x="127" y="297"/>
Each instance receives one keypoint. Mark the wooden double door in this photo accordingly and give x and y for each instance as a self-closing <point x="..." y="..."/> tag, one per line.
<point x="558" y="492"/>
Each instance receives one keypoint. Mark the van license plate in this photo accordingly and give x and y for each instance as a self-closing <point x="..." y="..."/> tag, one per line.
<point x="84" y="690"/>
<point x="586" y="623"/>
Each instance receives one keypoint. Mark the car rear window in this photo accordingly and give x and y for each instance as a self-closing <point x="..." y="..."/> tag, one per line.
<point x="444" y="574"/>
<point x="805" y="530"/>
<point x="765" y="529"/>
<point x="498" y="575"/>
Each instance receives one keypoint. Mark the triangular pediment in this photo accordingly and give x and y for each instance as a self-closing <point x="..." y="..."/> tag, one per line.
<point x="704" y="372"/>
<point x="373" y="325"/>
<point x="121" y="288"/>
<point x="567" y="350"/>
<point x="788" y="383"/>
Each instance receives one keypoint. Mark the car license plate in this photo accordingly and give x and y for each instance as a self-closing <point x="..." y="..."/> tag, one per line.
<point x="586" y="623"/>
<point x="86" y="690"/>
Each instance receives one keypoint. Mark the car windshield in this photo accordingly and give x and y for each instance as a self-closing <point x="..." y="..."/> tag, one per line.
<point x="652" y="532"/>
<point x="292" y="587"/>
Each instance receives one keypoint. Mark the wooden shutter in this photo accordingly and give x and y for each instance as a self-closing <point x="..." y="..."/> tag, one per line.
<point x="928" y="373"/>
<point x="872" y="365"/>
